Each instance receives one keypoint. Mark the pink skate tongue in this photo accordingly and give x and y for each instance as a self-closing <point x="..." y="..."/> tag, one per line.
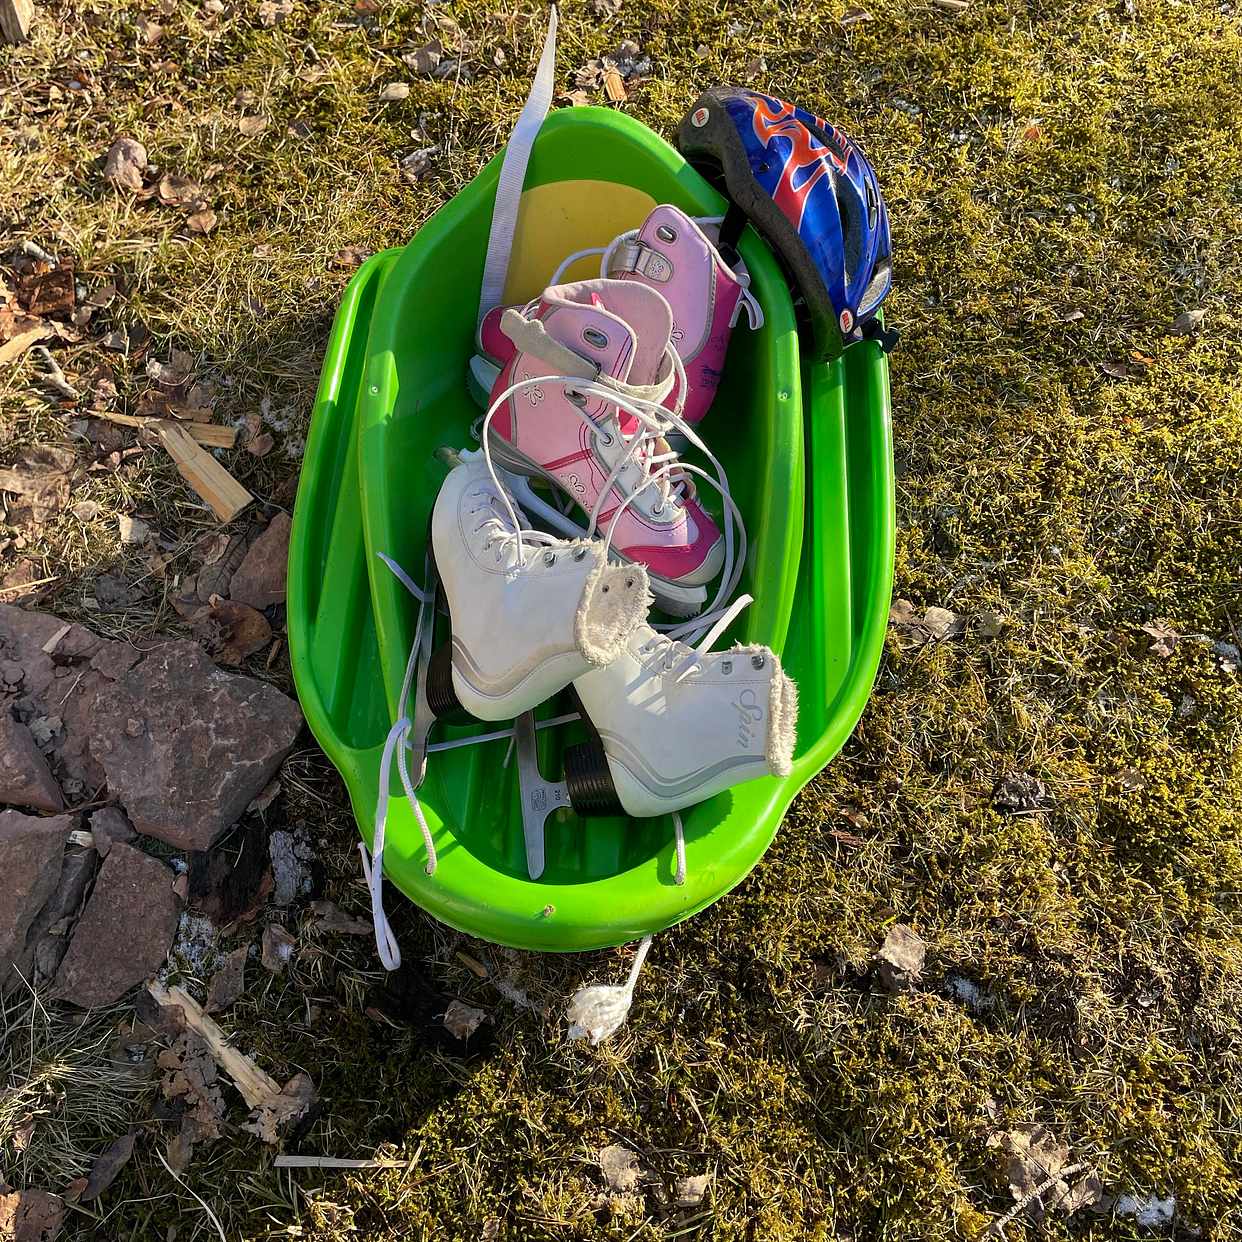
<point x="649" y="318"/>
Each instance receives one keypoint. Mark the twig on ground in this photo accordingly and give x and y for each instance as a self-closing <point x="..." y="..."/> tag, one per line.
<point x="211" y="435"/>
<point x="335" y="1162"/>
<point x="55" y="377"/>
<point x="997" y="1228"/>
<point x="256" y="1087"/>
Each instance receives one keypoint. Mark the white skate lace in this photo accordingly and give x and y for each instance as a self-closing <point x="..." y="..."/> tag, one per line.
<point x="629" y="242"/>
<point x="659" y="468"/>
<point x="397" y="743"/>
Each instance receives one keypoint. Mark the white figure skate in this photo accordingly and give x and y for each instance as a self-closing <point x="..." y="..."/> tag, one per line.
<point x="677" y="724"/>
<point x="529" y="611"/>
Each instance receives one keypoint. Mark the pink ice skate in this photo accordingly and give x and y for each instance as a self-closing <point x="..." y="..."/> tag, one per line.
<point x="676" y="256"/>
<point x="578" y="403"/>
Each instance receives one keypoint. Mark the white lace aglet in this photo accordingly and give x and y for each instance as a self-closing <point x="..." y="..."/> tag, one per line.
<point x="598" y="1011"/>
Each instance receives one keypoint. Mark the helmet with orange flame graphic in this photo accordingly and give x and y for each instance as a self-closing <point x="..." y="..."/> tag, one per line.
<point x="811" y="193"/>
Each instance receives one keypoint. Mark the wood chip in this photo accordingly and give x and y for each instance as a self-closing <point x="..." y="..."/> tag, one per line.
<point x="614" y="87"/>
<point x="221" y="491"/>
<point x="15" y="19"/>
<point x="251" y="126"/>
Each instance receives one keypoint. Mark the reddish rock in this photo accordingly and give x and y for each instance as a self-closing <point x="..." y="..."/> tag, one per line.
<point x="55" y="696"/>
<point x="30" y="1215"/>
<point x="32" y="852"/>
<point x="25" y="778"/>
<point x="260" y="578"/>
<point x="186" y="746"/>
<point x="48" y="937"/>
<point x="108" y="826"/>
<point x="125" y="932"/>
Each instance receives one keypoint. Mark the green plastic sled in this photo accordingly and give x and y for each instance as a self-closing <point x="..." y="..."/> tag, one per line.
<point x="809" y="457"/>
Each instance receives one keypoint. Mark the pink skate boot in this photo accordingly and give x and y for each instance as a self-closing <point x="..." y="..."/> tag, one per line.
<point x="676" y="256"/>
<point x="578" y="404"/>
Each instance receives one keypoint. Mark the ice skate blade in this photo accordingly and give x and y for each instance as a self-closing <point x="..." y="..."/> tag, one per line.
<point x="539" y="797"/>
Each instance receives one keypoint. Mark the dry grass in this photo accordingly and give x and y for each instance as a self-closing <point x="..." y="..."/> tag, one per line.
<point x="70" y="1091"/>
<point x="1063" y="182"/>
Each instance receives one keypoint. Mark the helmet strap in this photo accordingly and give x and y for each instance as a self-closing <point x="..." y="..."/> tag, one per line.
<point x="730" y="234"/>
<point x="886" y="338"/>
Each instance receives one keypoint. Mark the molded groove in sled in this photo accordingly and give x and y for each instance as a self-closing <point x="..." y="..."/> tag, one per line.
<point x="809" y="457"/>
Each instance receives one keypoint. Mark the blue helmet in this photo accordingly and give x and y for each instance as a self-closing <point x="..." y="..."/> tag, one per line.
<point x="811" y="193"/>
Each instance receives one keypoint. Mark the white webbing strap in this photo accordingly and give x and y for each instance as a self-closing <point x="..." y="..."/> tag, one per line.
<point x="513" y="174"/>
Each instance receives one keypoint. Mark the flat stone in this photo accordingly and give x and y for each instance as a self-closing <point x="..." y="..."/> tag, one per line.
<point x="30" y="1215"/>
<point x="260" y="578"/>
<point x="109" y="825"/>
<point x="58" y="683"/>
<point x="32" y="851"/>
<point x="114" y="660"/>
<point x="901" y="958"/>
<point x="25" y="778"/>
<point x="125" y="932"/>
<point x="48" y="937"/>
<point x="186" y="747"/>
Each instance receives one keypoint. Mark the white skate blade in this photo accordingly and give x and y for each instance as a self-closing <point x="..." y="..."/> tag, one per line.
<point x="676" y="600"/>
<point x="539" y="797"/>
<point x="481" y="377"/>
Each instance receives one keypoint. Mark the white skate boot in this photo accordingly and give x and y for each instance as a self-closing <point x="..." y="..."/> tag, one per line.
<point x="529" y="611"/>
<point x="674" y="724"/>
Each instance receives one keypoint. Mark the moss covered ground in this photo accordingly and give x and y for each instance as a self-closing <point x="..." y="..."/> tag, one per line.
<point x="1064" y="181"/>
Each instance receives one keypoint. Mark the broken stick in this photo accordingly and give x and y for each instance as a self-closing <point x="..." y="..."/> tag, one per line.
<point x="210" y="435"/>
<point x="335" y="1162"/>
<point x="203" y="473"/>
<point x="255" y="1086"/>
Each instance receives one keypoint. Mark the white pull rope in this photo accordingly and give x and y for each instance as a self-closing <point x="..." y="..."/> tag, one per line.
<point x="513" y="174"/>
<point x="597" y="1011"/>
